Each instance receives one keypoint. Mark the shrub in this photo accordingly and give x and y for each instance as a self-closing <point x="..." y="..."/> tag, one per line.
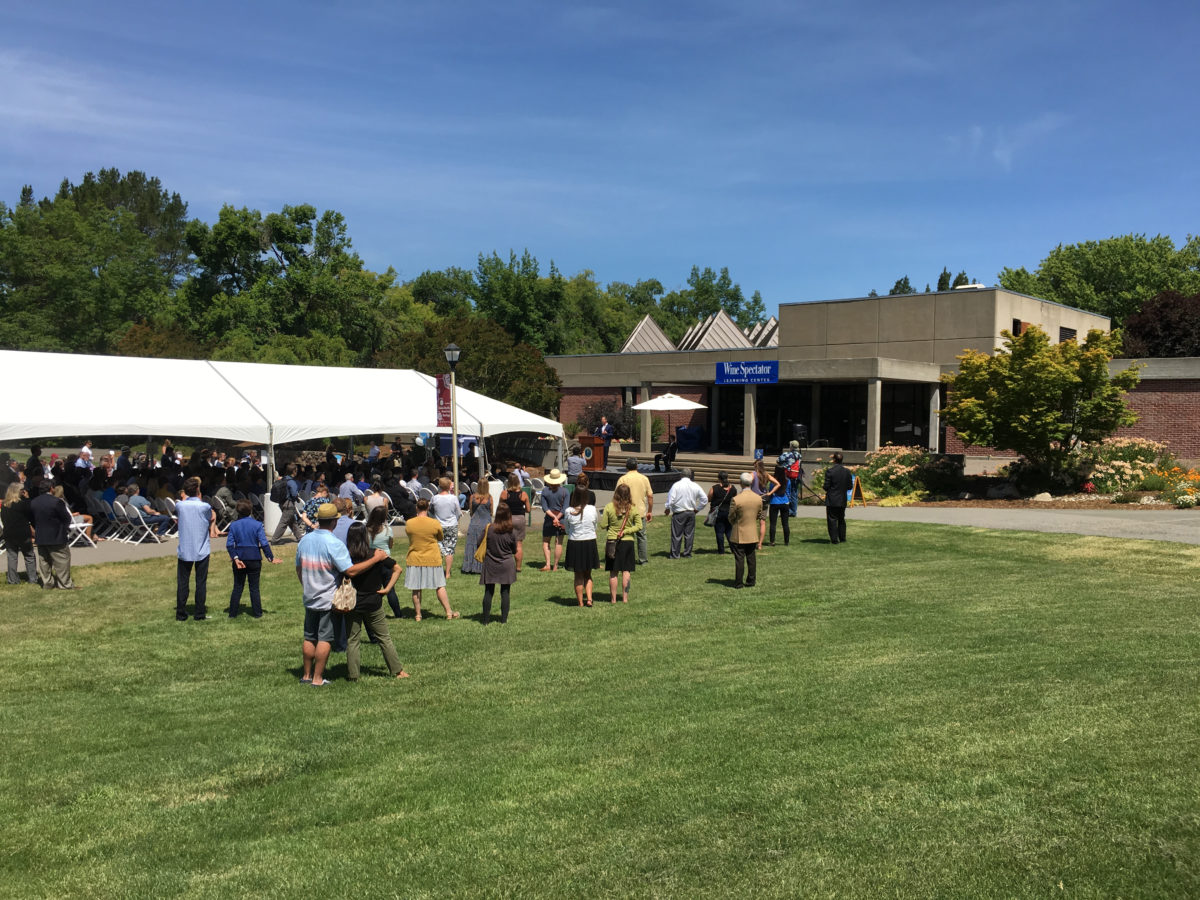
<point x="1125" y="497"/>
<point x="1153" y="482"/>
<point x="903" y="499"/>
<point x="1121" y="464"/>
<point x="571" y="429"/>
<point x="895" y="470"/>
<point x="1183" y="486"/>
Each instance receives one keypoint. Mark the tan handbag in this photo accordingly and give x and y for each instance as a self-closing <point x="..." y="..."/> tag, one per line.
<point x="345" y="598"/>
<point x="481" y="550"/>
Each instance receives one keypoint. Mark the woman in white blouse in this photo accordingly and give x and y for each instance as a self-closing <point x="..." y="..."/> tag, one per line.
<point x="582" y="557"/>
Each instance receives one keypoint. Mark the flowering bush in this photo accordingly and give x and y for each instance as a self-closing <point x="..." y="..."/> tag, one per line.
<point x="1183" y="486"/>
<point x="894" y="470"/>
<point x="1120" y="464"/>
<point x="1088" y="487"/>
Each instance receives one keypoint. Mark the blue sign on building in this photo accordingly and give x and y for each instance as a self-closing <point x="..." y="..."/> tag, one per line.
<point x="757" y="372"/>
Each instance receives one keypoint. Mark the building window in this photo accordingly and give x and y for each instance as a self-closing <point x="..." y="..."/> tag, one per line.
<point x="1016" y="328"/>
<point x="1066" y="334"/>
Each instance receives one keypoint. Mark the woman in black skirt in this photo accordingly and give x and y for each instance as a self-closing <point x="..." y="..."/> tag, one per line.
<point x="620" y="522"/>
<point x="582" y="557"/>
<point x="499" y="563"/>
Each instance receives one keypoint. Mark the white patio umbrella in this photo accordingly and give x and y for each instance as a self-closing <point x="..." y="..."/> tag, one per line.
<point x="668" y="402"/>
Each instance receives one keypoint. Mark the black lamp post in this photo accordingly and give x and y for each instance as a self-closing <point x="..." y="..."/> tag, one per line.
<point x="452" y="354"/>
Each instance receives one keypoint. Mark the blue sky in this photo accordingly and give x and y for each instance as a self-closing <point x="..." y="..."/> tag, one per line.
<point x="816" y="149"/>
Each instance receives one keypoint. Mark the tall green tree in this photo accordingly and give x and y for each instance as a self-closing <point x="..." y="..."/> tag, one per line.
<point x="943" y="282"/>
<point x="159" y="215"/>
<point x="1113" y="277"/>
<point x="902" y="286"/>
<point x="72" y="280"/>
<point x="291" y="274"/>
<point x="1040" y="399"/>
<point x="492" y="362"/>
<point x="515" y="296"/>
<point x="450" y="292"/>
<point x="707" y="293"/>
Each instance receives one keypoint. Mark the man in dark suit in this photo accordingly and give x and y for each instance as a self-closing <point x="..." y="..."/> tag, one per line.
<point x="607" y="433"/>
<point x="838" y="482"/>
<point x="52" y="532"/>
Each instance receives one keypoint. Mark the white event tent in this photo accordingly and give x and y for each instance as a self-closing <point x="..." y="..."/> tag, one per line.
<point x="74" y="394"/>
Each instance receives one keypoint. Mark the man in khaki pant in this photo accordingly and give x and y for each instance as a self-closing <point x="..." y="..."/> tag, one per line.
<point x="643" y="501"/>
<point x="743" y="539"/>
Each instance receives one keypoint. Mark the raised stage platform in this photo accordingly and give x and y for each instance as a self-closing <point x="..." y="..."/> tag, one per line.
<point x="606" y="479"/>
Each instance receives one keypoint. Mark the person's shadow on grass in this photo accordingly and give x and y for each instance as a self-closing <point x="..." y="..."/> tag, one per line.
<point x="563" y="601"/>
<point x="723" y="582"/>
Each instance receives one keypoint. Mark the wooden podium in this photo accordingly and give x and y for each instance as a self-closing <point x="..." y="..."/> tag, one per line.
<point x="593" y="451"/>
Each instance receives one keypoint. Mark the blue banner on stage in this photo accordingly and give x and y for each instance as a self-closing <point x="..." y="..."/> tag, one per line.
<point x="757" y="372"/>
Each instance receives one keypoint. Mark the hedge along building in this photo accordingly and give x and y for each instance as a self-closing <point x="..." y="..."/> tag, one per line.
<point x="854" y="374"/>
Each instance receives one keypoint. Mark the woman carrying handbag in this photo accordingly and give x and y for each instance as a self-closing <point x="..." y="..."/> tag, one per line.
<point x="620" y="522"/>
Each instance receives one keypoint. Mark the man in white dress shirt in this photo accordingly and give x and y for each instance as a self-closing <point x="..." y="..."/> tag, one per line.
<point x="684" y="500"/>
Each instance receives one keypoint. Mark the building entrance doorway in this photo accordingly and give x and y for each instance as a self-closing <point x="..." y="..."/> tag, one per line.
<point x="779" y="407"/>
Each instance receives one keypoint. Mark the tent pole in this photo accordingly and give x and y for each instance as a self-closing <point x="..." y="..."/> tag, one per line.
<point x="454" y="426"/>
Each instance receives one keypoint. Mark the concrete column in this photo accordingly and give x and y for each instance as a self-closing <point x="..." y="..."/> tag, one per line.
<point x="714" y="403"/>
<point x="874" y="411"/>
<point x="645" y="444"/>
<point x="749" y="418"/>
<point x="935" y="424"/>
<point x="814" y="425"/>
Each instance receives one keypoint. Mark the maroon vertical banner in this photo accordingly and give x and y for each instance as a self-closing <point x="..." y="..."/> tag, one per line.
<point x="443" y="401"/>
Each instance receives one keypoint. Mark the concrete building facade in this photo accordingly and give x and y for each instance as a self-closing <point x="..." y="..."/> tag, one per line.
<point x="853" y="374"/>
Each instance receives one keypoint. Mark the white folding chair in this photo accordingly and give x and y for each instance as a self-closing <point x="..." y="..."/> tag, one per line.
<point x="141" y="528"/>
<point x="538" y="486"/>
<point x="125" y="532"/>
<point x="426" y="493"/>
<point x="78" y="532"/>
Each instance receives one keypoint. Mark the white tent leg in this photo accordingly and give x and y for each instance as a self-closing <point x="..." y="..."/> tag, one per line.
<point x="271" y="510"/>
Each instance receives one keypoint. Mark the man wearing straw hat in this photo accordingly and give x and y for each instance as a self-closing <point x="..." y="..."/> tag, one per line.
<point x="554" y="504"/>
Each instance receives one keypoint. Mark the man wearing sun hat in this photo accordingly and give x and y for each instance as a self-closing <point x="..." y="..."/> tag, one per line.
<point x="554" y="504"/>
<point x="321" y="561"/>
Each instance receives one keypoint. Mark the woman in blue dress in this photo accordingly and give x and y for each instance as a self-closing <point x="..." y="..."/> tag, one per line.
<point x="481" y="517"/>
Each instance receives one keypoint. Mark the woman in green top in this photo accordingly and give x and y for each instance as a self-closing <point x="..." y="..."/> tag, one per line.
<point x="619" y="522"/>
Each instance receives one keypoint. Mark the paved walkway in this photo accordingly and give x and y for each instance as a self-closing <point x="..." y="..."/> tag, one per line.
<point x="1179" y="526"/>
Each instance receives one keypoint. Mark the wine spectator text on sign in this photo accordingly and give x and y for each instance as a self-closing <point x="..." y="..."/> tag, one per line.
<point x="443" y="401"/>
<point x="757" y="372"/>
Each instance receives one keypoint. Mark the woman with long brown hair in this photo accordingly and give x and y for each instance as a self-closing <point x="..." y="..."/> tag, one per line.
<point x="499" y="564"/>
<point x="764" y="485"/>
<point x="620" y="522"/>
<point x="480" y="504"/>
<point x="514" y="497"/>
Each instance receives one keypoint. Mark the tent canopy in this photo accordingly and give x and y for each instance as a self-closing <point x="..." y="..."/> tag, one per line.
<point x="121" y="395"/>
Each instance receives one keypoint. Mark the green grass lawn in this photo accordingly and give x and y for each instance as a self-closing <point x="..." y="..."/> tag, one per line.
<point x="925" y="711"/>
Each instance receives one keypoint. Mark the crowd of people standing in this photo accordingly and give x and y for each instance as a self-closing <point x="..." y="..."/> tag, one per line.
<point x="342" y="511"/>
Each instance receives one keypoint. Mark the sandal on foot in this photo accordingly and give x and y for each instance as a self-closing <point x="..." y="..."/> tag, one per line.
<point x="453" y="614"/>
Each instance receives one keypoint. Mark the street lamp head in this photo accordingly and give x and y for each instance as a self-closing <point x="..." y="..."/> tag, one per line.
<point x="452" y="353"/>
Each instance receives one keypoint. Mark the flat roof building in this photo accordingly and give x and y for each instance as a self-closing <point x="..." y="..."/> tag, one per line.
<point x="854" y="374"/>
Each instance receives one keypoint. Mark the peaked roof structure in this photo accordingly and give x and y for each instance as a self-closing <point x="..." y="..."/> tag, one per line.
<point x="717" y="332"/>
<point x="764" y="334"/>
<point x="647" y="337"/>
